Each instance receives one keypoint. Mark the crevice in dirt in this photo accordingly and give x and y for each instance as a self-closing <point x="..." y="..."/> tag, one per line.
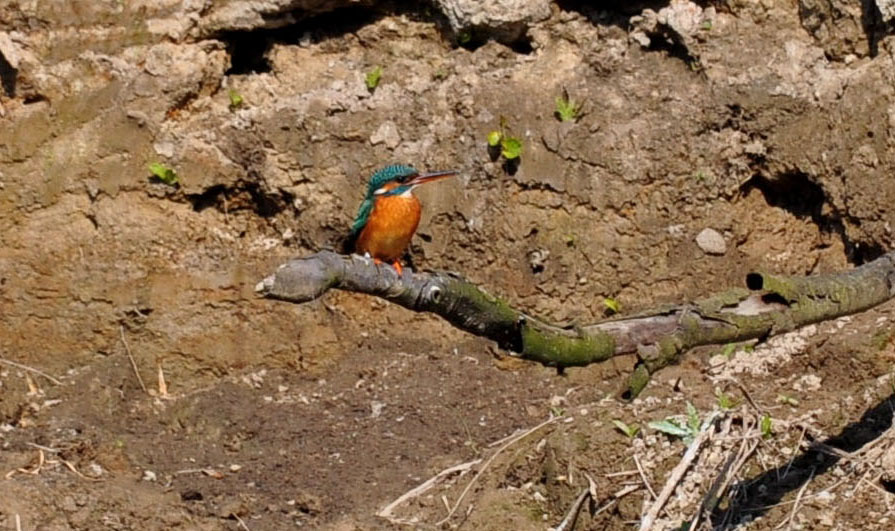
<point x="594" y="10"/>
<point x="242" y="196"/>
<point x="473" y="39"/>
<point x="34" y="98"/>
<point x="182" y="103"/>
<point x="796" y="193"/>
<point x="888" y="484"/>
<point x="757" y="495"/>
<point x="669" y="43"/>
<point x="8" y="76"/>
<point x="248" y="49"/>
<point x="872" y="24"/>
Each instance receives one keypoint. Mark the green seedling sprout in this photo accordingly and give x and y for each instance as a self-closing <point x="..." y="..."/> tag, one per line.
<point x="612" y="305"/>
<point x="686" y="431"/>
<point x="630" y="430"/>
<point x="765" y="425"/>
<point x="671" y="427"/>
<point x="372" y="78"/>
<point x="164" y="173"/>
<point x="567" y="110"/>
<point x="788" y="400"/>
<point x="494" y="138"/>
<point x="511" y="148"/>
<point x="726" y="402"/>
<point x="728" y="350"/>
<point x="236" y="99"/>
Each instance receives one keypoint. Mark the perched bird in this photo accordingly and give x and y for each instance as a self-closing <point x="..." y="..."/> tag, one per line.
<point x="390" y="213"/>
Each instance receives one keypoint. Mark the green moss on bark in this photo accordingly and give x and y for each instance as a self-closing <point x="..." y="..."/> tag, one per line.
<point x="565" y="351"/>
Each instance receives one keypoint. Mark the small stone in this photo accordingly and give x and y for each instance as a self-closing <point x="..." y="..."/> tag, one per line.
<point x="504" y="20"/>
<point x="711" y="242"/>
<point x="886" y="9"/>
<point x="96" y="470"/>
<point x="537" y="259"/>
<point x="165" y="149"/>
<point x="387" y="134"/>
<point x="149" y="475"/>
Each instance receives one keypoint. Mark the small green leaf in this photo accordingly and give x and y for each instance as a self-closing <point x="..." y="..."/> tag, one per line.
<point x="494" y="138"/>
<point x="728" y="350"/>
<point x="566" y="109"/>
<point x="372" y="78"/>
<point x="765" y="425"/>
<point x="236" y="99"/>
<point x="163" y="173"/>
<point x="785" y="399"/>
<point x="511" y="148"/>
<point x="692" y="418"/>
<point x="629" y="430"/>
<point x="669" y="427"/>
<point x="612" y="305"/>
<point x="726" y="402"/>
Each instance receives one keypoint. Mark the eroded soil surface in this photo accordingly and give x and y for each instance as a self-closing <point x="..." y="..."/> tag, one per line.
<point x="772" y="125"/>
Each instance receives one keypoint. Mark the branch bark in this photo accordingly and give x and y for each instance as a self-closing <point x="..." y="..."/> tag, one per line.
<point x="767" y="306"/>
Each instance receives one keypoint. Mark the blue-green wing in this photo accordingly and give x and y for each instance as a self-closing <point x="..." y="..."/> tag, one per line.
<point x="363" y="214"/>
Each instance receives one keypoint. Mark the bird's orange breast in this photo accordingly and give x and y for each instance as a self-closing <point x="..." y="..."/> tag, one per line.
<point x="392" y="223"/>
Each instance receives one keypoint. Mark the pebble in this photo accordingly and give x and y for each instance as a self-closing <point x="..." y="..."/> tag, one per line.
<point x="711" y="242"/>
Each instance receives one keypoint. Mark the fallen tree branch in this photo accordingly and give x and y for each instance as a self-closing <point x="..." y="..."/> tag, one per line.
<point x="769" y="305"/>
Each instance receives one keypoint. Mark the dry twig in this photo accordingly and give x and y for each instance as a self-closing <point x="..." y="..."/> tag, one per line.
<point x="795" y="506"/>
<point x="729" y="471"/>
<point x="131" y="358"/>
<point x="678" y="473"/>
<point x="30" y="369"/>
<point x="568" y="523"/>
<point x="643" y="477"/>
<point x="241" y="523"/>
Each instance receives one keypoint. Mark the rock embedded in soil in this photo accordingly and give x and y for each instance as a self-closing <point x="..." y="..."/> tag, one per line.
<point x="504" y="20"/>
<point x="711" y="242"/>
<point x="886" y="9"/>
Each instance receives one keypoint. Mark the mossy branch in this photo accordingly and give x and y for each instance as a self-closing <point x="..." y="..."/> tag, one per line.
<point x="769" y="305"/>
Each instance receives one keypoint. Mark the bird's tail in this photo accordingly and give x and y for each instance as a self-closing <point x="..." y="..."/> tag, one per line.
<point x="347" y="243"/>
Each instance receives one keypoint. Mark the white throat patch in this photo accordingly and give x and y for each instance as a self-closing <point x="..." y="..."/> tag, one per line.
<point x="408" y="193"/>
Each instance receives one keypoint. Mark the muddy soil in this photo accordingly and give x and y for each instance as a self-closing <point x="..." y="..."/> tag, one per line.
<point x="144" y="385"/>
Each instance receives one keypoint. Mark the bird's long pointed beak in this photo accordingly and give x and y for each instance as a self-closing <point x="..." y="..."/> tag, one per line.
<point x="424" y="178"/>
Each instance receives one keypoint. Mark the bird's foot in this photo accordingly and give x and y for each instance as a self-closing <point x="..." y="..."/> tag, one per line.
<point x="396" y="265"/>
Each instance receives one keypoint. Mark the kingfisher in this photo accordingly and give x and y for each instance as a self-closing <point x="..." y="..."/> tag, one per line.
<point x="390" y="213"/>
